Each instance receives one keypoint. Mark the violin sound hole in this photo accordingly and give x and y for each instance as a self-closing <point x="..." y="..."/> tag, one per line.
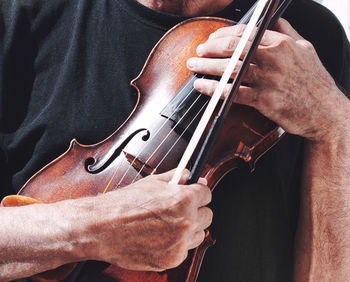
<point x="146" y="136"/>
<point x="93" y="165"/>
<point x="89" y="162"/>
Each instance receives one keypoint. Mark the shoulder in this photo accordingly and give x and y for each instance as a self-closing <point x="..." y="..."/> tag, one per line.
<point x="12" y="10"/>
<point x="36" y="12"/>
<point x="321" y="27"/>
<point x="22" y="17"/>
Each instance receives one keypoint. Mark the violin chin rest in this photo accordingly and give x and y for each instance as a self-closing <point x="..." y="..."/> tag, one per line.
<point x="18" y="200"/>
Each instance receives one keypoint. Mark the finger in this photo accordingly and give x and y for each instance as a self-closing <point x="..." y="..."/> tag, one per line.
<point x="167" y="176"/>
<point x="210" y="66"/>
<point x="202" y="194"/>
<point x="202" y="181"/>
<point x="237" y="31"/>
<point x="220" y="47"/>
<point x="184" y="176"/>
<point x="268" y="103"/>
<point x="247" y="96"/>
<point x="196" y="240"/>
<point x="208" y="86"/>
<point x="284" y="27"/>
<point x="205" y="217"/>
<point x="218" y="66"/>
<point x="229" y="31"/>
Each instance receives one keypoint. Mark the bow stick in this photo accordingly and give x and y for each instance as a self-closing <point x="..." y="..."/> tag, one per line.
<point x="219" y="119"/>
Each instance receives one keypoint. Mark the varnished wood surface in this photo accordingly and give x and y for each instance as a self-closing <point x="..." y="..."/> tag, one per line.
<point x="244" y="138"/>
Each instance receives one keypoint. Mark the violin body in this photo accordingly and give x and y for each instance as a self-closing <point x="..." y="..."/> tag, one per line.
<point x="149" y="141"/>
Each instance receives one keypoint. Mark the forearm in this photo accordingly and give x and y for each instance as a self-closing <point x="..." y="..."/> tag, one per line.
<point x="149" y="225"/>
<point x="38" y="237"/>
<point x="322" y="250"/>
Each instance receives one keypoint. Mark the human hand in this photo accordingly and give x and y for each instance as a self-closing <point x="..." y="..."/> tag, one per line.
<point x="156" y="223"/>
<point x="286" y="81"/>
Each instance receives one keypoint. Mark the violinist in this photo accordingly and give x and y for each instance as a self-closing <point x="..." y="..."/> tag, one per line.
<point x="65" y="68"/>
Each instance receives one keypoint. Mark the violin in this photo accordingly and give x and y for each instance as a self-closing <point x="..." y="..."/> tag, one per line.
<point x="151" y="141"/>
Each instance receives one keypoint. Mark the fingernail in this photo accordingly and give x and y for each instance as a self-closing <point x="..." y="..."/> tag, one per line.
<point x="185" y="174"/>
<point x="197" y="85"/>
<point x="200" y="50"/>
<point x="212" y="35"/>
<point x="191" y="63"/>
<point x="203" y="181"/>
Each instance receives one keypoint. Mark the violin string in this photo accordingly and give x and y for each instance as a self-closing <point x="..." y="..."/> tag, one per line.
<point x="135" y="158"/>
<point x="154" y="136"/>
<point x="180" y="136"/>
<point x="162" y="142"/>
<point x="142" y="148"/>
<point x="166" y="137"/>
<point x="131" y="164"/>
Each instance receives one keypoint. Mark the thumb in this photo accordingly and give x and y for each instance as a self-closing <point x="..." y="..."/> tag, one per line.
<point x="284" y="27"/>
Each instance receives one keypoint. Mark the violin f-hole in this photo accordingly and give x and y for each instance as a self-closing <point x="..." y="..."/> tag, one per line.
<point x="93" y="166"/>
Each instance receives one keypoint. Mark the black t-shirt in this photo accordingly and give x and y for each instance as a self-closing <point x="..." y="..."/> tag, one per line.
<point x="65" y="68"/>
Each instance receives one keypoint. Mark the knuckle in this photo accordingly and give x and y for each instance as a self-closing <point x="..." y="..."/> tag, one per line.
<point x="207" y="86"/>
<point x="185" y="226"/>
<point x="212" y="85"/>
<point x="198" y="239"/>
<point x="286" y="41"/>
<point x="230" y="44"/>
<point x="201" y="237"/>
<point x="223" y="65"/>
<point x="179" y="259"/>
<point x="208" y="192"/>
<point x="238" y="29"/>
<point x="307" y="45"/>
<point x="204" y="193"/>
<point x="275" y="99"/>
<point x="279" y="105"/>
<point x="207" y="217"/>
<point x="183" y="220"/>
<point x="210" y="214"/>
<point x="226" y="91"/>
<point x="176" y="256"/>
<point x="272" y="101"/>
<point x="218" y="32"/>
<point x="189" y="195"/>
<point x="253" y="74"/>
<point x="265" y="99"/>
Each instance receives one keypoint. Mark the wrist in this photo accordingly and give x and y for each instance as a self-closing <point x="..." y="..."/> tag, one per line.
<point x="88" y="225"/>
<point x="335" y="126"/>
<point x="75" y="223"/>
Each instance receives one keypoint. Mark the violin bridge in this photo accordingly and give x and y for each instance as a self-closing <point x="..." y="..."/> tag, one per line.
<point x="141" y="167"/>
<point x="244" y="152"/>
